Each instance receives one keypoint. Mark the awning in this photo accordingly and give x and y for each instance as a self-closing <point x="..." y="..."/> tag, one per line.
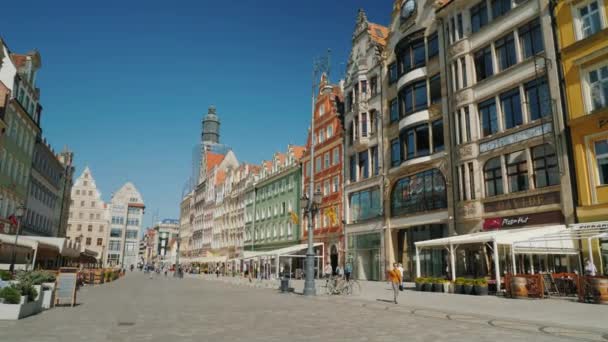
<point x="204" y="260"/>
<point x="502" y="237"/>
<point x="286" y="251"/>
<point x="66" y="248"/>
<point x="10" y="240"/>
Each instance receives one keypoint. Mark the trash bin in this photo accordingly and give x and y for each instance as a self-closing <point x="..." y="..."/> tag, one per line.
<point x="284" y="285"/>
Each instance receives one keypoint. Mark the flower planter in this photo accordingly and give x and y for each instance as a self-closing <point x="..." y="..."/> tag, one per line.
<point x="468" y="289"/>
<point x="458" y="288"/>
<point x="481" y="290"/>
<point x="427" y="287"/>
<point x="437" y="287"/>
<point x="21" y="310"/>
<point x="418" y="286"/>
<point x="48" y="295"/>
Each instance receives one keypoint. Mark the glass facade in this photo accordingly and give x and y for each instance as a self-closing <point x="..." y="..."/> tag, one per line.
<point x="365" y="204"/>
<point x="433" y="262"/>
<point x="364" y="254"/>
<point x="420" y="192"/>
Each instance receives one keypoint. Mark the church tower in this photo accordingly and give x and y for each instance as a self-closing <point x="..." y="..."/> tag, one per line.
<point x="211" y="128"/>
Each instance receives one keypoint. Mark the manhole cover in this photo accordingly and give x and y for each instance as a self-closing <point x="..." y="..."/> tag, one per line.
<point x="126" y="324"/>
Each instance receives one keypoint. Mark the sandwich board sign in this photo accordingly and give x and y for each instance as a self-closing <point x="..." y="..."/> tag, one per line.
<point x="65" y="286"/>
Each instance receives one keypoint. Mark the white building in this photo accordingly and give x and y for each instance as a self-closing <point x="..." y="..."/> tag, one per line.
<point x="166" y="232"/>
<point x="126" y="211"/>
<point x="88" y="219"/>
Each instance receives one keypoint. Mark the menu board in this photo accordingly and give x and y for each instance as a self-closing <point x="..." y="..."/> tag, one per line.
<point x="65" y="287"/>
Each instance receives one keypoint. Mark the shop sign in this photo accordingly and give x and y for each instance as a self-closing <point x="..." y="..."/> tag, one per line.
<point x="516" y="137"/>
<point x="522" y="202"/>
<point x="523" y="220"/>
<point x="590" y="225"/>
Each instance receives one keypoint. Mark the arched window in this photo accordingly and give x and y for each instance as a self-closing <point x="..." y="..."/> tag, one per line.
<point x="493" y="177"/>
<point x="420" y="192"/>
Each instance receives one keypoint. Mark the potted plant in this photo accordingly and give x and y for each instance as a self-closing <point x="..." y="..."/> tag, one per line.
<point x="438" y="284"/>
<point x="459" y="285"/>
<point x="468" y="286"/>
<point x="10" y="295"/>
<point x="419" y="283"/>
<point x="5" y="275"/>
<point x="481" y="287"/>
<point x="426" y="285"/>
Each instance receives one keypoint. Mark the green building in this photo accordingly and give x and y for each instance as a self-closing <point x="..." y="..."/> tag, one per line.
<point x="275" y="197"/>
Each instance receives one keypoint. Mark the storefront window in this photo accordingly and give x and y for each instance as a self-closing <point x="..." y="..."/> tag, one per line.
<point x="420" y="192"/>
<point x="364" y="256"/>
<point x="365" y="205"/>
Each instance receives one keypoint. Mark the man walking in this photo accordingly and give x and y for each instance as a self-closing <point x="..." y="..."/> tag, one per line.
<point x="394" y="277"/>
<point x="348" y="269"/>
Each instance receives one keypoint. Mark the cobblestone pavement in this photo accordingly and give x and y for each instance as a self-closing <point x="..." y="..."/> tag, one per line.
<point x="137" y="308"/>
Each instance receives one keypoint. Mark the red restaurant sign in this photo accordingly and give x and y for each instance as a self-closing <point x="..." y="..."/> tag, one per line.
<point x="495" y="223"/>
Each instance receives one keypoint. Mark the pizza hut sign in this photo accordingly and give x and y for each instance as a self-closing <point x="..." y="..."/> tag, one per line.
<point x="523" y="220"/>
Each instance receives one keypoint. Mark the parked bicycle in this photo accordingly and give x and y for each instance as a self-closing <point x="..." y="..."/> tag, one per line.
<point x="340" y="286"/>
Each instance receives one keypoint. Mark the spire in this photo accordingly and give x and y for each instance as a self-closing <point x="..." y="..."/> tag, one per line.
<point x="211" y="127"/>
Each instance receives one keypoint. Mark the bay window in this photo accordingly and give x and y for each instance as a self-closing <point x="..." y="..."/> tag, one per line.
<point x="483" y="63"/>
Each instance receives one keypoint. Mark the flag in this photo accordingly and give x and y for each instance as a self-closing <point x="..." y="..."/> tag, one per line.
<point x="331" y="213"/>
<point x="294" y="217"/>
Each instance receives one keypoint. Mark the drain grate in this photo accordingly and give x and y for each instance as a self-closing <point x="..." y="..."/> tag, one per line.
<point x="126" y="324"/>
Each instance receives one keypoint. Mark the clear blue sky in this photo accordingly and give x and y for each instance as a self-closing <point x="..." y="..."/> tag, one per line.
<point x="125" y="83"/>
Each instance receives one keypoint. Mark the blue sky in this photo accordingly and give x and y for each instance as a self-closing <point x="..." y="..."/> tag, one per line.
<point x="125" y="83"/>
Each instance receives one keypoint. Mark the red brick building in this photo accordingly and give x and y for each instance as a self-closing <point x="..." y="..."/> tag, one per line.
<point x="328" y="175"/>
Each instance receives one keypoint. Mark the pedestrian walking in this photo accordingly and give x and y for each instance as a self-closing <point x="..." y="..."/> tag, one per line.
<point x="348" y="270"/>
<point x="328" y="271"/>
<point x="590" y="269"/>
<point x="394" y="277"/>
<point x="339" y="272"/>
<point x="400" y="268"/>
<point x="217" y="271"/>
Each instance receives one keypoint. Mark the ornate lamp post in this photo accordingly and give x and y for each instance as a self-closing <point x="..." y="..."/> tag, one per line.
<point x="310" y="207"/>
<point x="19" y="213"/>
<point x="177" y="273"/>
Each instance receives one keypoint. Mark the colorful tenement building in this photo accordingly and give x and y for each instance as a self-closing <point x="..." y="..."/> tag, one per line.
<point x="582" y="33"/>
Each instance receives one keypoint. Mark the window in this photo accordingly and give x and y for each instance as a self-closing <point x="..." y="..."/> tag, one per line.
<point x="483" y="63"/>
<point x="131" y="234"/>
<point x="395" y="110"/>
<point x="115" y="232"/>
<point x="364" y="124"/>
<point x="336" y="184"/>
<point x="326" y="160"/>
<point x="546" y="172"/>
<point x="318" y="164"/>
<point x="375" y="166"/>
<point x="420" y="192"/>
<point x="373" y="85"/>
<point x="537" y="98"/>
<point x="438" y="143"/>
<point x="419" y="54"/>
<point x="79" y="227"/>
<point x="393" y="74"/>
<point x="336" y="155"/>
<point x="353" y="168"/>
<point x="505" y="52"/>
<point x="467" y="123"/>
<point x="395" y="152"/>
<point x="500" y="7"/>
<point x="364" y="165"/>
<point x="435" y="85"/>
<point x="433" y="45"/>
<point x="114" y="246"/>
<point x="493" y="177"/>
<point x="601" y="155"/>
<point x="479" y="16"/>
<point x="363" y="87"/>
<point x="517" y="171"/>
<point x="90" y="228"/>
<point x="365" y="204"/>
<point x="413" y="97"/>
<point x="531" y="38"/>
<point x="99" y="241"/>
<point x="511" y="108"/>
<point x="589" y="20"/>
<point x="417" y="141"/>
<point x="471" y="182"/>
<point x="463" y="71"/>
<point x="459" y="28"/>
<point x="88" y="241"/>
<point x="488" y="117"/>
<point x="326" y="188"/>
<point x="598" y="84"/>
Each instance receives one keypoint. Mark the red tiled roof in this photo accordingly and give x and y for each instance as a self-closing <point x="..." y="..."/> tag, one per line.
<point x="220" y="177"/>
<point x="268" y="165"/>
<point x="213" y="159"/>
<point x="298" y="151"/>
<point x="18" y="60"/>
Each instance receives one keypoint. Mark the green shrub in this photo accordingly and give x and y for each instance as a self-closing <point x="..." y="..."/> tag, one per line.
<point x="11" y="295"/>
<point x="469" y="282"/>
<point x="26" y="289"/>
<point x="459" y="281"/>
<point x="36" y="277"/>
<point x="5" y="275"/>
<point x="481" y="282"/>
<point x="420" y="280"/>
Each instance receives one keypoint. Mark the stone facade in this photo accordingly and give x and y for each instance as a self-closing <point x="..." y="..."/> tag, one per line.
<point x="126" y="212"/>
<point x="88" y="221"/>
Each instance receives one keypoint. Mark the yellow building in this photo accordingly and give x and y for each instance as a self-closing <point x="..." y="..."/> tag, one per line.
<point x="582" y="33"/>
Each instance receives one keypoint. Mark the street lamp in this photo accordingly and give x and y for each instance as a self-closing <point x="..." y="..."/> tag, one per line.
<point x="19" y="213"/>
<point x="310" y="207"/>
<point x="177" y="273"/>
